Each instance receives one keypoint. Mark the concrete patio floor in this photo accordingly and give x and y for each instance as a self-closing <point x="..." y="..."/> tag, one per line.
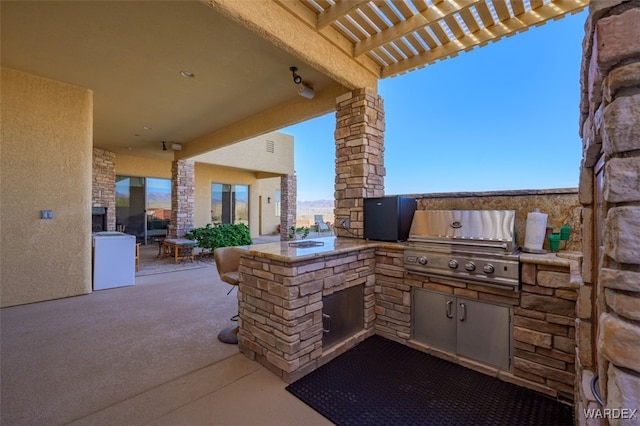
<point x="146" y="354"/>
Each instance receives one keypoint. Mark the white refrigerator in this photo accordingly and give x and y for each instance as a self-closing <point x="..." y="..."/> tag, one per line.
<point x="114" y="260"/>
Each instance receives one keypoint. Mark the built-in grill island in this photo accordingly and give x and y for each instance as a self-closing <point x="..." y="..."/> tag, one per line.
<point x="458" y="289"/>
<point x="476" y="247"/>
<point x="469" y="245"/>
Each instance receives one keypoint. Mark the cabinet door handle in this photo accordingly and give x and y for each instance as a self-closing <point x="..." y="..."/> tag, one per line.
<point x="326" y="317"/>
<point x="449" y="306"/>
<point x="463" y="312"/>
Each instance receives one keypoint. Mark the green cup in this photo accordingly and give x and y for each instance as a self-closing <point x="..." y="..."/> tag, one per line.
<point x="554" y="241"/>
<point x="564" y="232"/>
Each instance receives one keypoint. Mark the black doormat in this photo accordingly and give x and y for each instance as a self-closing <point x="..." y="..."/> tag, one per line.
<point x="381" y="382"/>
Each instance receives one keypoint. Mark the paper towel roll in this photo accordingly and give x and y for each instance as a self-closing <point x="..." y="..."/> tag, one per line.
<point x="535" y="231"/>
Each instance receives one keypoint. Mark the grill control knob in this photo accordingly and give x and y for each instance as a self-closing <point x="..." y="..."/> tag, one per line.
<point x="422" y="260"/>
<point x="488" y="268"/>
<point x="453" y="264"/>
<point x="470" y="266"/>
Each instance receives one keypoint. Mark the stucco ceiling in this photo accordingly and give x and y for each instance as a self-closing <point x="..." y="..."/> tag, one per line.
<point x="131" y="54"/>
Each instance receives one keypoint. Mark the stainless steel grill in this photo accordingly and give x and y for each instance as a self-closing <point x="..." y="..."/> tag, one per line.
<point x="476" y="246"/>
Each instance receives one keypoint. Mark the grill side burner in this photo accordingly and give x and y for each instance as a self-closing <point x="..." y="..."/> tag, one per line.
<point x="466" y="245"/>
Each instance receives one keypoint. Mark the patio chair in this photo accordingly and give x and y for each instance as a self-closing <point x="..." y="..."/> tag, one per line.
<point x="227" y="263"/>
<point x="321" y="225"/>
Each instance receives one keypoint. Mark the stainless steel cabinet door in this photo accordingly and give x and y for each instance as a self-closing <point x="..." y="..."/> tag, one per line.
<point x="342" y="315"/>
<point x="484" y="332"/>
<point x="434" y="319"/>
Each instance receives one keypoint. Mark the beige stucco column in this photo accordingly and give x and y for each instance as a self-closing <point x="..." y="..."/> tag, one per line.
<point x="359" y="157"/>
<point x="46" y="138"/>
<point x="610" y="194"/>
<point x="182" y="197"/>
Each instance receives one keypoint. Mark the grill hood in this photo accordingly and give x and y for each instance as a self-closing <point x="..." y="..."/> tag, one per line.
<point x="485" y="227"/>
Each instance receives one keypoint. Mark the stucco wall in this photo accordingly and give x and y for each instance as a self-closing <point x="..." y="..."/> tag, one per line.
<point x="267" y="189"/>
<point x="272" y="152"/>
<point x="130" y="165"/>
<point x="46" y="164"/>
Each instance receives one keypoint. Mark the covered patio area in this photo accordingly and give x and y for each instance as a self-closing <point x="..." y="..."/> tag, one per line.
<point x="126" y="76"/>
<point x="146" y="354"/>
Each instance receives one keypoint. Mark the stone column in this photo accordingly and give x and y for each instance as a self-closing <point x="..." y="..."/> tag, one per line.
<point x="360" y="168"/>
<point x="103" y="192"/>
<point x="610" y="124"/>
<point x="288" y="200"/>
<point x="182" y="197"/>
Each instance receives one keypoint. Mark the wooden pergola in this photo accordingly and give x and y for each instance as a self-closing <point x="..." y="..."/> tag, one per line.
<point x="399" y="36"/>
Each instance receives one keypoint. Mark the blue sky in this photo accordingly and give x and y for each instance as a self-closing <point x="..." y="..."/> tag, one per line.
<point x="504" y="116"/>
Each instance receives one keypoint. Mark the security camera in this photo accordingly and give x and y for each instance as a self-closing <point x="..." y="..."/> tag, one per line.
<point x="296" y="78"/>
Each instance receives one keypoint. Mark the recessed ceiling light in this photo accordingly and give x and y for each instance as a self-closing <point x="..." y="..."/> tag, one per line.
<point x="146" y="127"/>
<point x="187" y="74"/>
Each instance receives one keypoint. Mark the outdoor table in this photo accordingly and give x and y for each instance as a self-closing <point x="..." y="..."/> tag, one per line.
<point x="179" y="248"/>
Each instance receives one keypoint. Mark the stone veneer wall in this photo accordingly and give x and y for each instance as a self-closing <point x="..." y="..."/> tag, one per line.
<point x="182" y="197"/>
<point x="288" y="200"/>
<point x="544" y="313"/>
<point x="103" y="189"/>
<point x="610" y="129"/>
<point x="393" y="296"/>
<point x="544" y="328"/>
<point x="280" y="308"/>
<point x="561" y="205"/>
<point x="360" y="168"/>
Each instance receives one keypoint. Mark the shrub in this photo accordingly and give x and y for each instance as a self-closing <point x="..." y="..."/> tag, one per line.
<point x="222" y="235"/>
<point x="303" y="231"/>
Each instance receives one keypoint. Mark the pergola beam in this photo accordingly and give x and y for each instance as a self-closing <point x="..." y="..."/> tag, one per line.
<point x="337" y="11"/>
<point x="426" y="17"/>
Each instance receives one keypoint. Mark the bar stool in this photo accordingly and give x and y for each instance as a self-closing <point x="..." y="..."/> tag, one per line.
<point x="137" y="257"/>
<point x="227" y="261"/>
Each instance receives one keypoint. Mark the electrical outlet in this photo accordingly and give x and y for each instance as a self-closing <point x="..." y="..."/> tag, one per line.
<point x="345" y="223"/>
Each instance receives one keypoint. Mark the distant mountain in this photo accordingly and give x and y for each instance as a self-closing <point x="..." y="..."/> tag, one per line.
<point x="315" y="204"/>
<point x="159" y="197"/>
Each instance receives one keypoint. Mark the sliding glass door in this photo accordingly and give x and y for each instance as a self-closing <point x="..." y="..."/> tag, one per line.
<point x="130" y="205"/>
<point x="158" y="204"/>
<point x="229" y="203"/>
<point x="143" y="207"/>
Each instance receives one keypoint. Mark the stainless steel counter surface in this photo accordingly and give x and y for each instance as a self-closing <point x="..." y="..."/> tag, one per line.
<point x="285" y="252"/>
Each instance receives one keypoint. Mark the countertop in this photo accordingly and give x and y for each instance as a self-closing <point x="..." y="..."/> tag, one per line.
<point x="570" y="259"/>
<point x="285" y="252"/>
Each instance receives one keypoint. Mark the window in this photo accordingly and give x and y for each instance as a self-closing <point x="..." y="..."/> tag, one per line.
<point x="277" y="198"/>
<point x="229" y="203"/>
